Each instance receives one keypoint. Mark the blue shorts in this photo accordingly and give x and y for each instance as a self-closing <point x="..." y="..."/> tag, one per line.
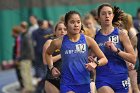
<point x="85" y="88"/>
<point x="119" y="83"/>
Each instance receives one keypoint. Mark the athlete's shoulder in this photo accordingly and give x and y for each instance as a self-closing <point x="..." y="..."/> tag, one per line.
<point x="57" y="42"/>
<point x="89" y="40"/>
<point x="132" y="33"/>
<point x="87" y="37"/>
<point x="123" y="32"/>
<point x="48" y="42"/>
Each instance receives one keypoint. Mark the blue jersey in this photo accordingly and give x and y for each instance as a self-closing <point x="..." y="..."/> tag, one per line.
<point x="116" y="65"/>
<point x="74" y="57"/>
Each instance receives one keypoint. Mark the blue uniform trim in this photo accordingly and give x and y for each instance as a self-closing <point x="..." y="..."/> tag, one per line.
<point x="85" y="88"/>
<point x="119" y="83"/>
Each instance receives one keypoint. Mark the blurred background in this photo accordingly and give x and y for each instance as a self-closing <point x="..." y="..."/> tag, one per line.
<point x="13" y="12"/>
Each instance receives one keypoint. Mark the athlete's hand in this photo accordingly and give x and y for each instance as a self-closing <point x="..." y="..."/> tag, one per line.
<point x="91" y="66"/>
<point x="110" y="45"/>
<point x="90" y="59"/>
<point x="55" y="72"/>
<point x="130" y="66"/>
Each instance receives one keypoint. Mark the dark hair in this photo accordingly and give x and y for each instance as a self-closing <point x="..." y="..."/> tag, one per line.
<point x="68" y="15"/>
<point x="138" y="11"/>
<point x="101" y="6"/>
<point x="82" y="28"/>
<point x="40" y="22"/>
<point x="93" y="12"/>
<point x="33" y="16"/>
<point x="118" y="14"/>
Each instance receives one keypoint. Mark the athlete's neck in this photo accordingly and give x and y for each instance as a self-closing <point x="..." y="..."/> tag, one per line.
<point x="74" y="38"/>
<point x="107" y="29"/>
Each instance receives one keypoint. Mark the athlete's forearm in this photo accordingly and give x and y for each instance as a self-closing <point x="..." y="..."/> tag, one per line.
<point x="56" y="58"/>
<point x="128" y="56"/>
<point x="49" y="60"/>
<point x="102" y="61"/>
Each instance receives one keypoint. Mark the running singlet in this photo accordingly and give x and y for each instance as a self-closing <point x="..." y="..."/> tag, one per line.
<point x="74" y="57"/>
<point x="115" y="65"/>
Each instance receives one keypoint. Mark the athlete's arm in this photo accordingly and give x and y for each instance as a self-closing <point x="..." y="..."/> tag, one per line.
<point x="55" y="44"/>
<point x="133" y="37"/>
<point x="96" y="50"/>
<point x="45" y="47"/>
<point x="128" y="54"/>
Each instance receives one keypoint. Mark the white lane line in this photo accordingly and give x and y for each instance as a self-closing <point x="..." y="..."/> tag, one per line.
<point x="16" y="84"/>
<point x="5" y="88"/>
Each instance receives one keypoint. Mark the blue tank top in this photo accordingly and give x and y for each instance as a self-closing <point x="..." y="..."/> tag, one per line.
<point x="74" y="57"/>
<point x="115" y="65"/>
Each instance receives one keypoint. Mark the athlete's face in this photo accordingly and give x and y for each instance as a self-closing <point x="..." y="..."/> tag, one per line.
<point x="106" y="15"/>
<point x="60" y="30"/>
<point x="33" y="20"/>
<point x="74" y="24"/>
<point x="89" y="23"/>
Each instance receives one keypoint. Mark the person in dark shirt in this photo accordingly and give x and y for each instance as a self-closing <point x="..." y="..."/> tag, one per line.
<point x="25" y="58"/>
<point x="39" y="38"/>
<point x="16" y="33"/>
<point x="138" y="47"/>
<point x="137" y="20"/>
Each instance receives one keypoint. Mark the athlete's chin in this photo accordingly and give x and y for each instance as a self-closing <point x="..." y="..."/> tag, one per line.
<point x="107" y="24"/>
<point x="75" y="33"/>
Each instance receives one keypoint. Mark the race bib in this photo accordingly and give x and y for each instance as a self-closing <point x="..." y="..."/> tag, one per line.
<point x="114" y="39"/>
<point x="81" y="47"/>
